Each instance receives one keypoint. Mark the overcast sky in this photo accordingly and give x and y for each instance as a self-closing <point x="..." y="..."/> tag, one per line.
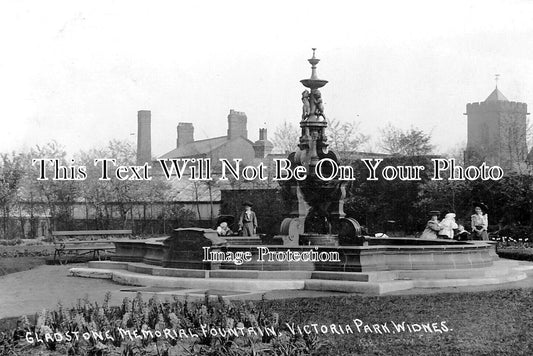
<point x="78" y="71"/>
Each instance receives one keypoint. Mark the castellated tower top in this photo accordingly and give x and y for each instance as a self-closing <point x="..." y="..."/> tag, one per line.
<point x="496" y="101"/>
<point x="497" y="132"/>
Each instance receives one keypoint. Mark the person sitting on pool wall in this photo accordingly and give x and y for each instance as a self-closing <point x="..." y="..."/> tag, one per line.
<point x="480" y="222"/>
<point x="247" y="220"/>
<point x="448" y="224"/>
<point x="432" y="227"/>
<point x="462" y="234"/>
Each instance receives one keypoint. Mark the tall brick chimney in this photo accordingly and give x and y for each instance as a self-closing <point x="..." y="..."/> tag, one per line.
<point x="144" y="133"/>
<point x="185" y="134"/>
<point x="237" y="124"/>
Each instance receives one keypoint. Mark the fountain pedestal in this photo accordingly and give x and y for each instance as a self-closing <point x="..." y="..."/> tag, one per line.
<point x="317" y="202"/>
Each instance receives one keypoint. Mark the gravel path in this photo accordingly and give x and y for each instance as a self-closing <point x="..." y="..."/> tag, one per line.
<point x="30" y="291"/>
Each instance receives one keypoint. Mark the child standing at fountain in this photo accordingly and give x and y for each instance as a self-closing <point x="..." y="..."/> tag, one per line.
<point x="247" y="220"/>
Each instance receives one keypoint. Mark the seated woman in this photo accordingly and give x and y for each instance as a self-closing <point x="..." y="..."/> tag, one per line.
<point x="432" y="226"/>
<point x="223" y="229"/>
<point x="480" y="222"/>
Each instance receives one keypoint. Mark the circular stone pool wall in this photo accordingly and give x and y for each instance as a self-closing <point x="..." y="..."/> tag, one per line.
<point x="380" y="254"/>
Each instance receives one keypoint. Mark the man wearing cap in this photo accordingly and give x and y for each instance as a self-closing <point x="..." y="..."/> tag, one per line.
<point x="247" y="220"/>
<point x="432" y="226"/>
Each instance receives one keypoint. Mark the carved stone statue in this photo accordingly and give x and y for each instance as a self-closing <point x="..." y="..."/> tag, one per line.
<point x="306" y="107"/>
<point x="317" y="103"/>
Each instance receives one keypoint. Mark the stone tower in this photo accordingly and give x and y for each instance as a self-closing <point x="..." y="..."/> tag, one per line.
<point x="497" y="132"/>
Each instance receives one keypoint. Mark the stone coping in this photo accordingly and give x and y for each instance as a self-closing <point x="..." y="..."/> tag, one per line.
<point x="460" y="246"/>
<point x="152" y="241"/>
<point x="470" y="246"/>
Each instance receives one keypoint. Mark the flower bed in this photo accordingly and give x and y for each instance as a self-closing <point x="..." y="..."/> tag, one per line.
<point x="496" y="322"/>
<point x="516" y="253"/>
<point x="154" y="327"/>
<point x="26" y="251"/>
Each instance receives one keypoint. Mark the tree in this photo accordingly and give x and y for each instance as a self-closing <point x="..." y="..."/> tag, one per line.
<point x="344" y="136"/>
<point x="286" y="137"/>
<point x="457" y="152"/>
<point x="515" y="135"/>
<point x="11" y="176"/>
<point x="58" y="195"/>
<point x="122" y="194"/>
<point x="383" y="204"/>
<point x="411" y="142"/>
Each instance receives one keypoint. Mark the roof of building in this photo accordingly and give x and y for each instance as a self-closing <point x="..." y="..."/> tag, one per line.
<point x="197" y="147"/>
<point x="496" y="95"/>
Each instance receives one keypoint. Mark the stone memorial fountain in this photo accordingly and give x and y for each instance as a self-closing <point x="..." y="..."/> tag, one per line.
<point x="320" y="248"/>
<point x="317" y="205"/>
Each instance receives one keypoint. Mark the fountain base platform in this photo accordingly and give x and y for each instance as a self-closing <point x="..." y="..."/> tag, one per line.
<point x="372" y="283"/>
<point x="383" y="265"/>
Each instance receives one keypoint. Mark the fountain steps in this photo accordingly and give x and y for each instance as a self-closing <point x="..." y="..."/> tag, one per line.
<point x="139" y="274"/>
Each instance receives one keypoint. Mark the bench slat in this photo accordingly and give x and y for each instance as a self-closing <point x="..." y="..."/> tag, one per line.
<point x="91" y="232"/>
<point x="89" y="248"/>
<point x="80" y="242"/>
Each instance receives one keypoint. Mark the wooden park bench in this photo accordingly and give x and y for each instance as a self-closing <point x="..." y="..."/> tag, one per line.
<point x="68" y="242"/>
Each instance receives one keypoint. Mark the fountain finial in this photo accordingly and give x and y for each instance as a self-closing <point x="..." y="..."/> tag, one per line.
<point x="313" y="82"/>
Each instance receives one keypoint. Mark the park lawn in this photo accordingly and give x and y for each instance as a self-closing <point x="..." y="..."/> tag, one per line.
<point x="17" y="264"/>
<point x="481" y="323"/>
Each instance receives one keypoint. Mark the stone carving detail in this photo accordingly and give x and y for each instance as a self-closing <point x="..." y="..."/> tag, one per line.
<point x="318" y="106"/>
<point x="306" y="105"/>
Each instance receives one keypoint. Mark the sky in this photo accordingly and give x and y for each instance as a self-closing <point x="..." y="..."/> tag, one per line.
<point x="78" y="71"/>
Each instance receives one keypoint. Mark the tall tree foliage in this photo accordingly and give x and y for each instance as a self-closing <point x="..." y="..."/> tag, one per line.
<point x="11" y="176"/>
<point x="286" y="137"/>
<point x="410" y="142"/>
<point x="345" y="136"/>
<point x="58" y="195"/>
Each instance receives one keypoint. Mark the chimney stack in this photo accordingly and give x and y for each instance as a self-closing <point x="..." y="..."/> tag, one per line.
<point x="262" y="134"/>
<point x="185" y="134"/>
<point x="144" y="140"/>
<point x="263" y="146"/>
<point x="237" y="124"/>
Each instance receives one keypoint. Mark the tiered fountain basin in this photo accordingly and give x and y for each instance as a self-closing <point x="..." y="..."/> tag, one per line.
<point x="381" y="254"/>
<point x="382" y="265"/>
